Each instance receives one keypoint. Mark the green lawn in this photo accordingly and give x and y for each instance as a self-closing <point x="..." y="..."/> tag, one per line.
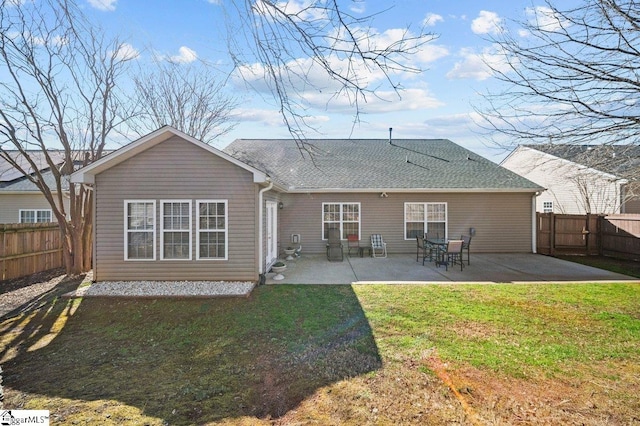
<point x="372" y="354"/>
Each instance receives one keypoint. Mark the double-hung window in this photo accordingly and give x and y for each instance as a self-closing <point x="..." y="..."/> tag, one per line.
<point x="425" y="218"/>
<point x="547" y="207"/>
<point x="176" y="230"/>
<point x="35" y="215"/>
<point x="140" y="230"/>
<point x="212" y="241"/>
<point x="344" y="216"/>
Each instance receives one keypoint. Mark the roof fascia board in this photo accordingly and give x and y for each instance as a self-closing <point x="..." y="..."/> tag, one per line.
<point x="410" y="190"/>
<point x="87" y="173"/>
<point x="517" y="150"/>
<point x="34" y="192"/>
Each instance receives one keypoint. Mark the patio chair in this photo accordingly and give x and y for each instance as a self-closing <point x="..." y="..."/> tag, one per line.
<point x="378" y="246"/>
<point x="353" y="243"/>
<point x="466" y="242"/>
<point x="334" y="246"/>
<point x="428" y="249"/>
<point x="451" y="255"/>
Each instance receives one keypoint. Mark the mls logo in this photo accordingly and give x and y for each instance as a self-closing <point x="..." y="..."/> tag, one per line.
<point x="6" y="418"/>
<point x="24" y="417"/>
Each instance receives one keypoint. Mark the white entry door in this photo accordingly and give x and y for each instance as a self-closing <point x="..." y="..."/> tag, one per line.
<point x="272" y="232"/>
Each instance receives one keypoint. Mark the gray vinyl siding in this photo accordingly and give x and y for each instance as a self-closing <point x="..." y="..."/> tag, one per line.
<point x="11" y="204"/>
<point x="176" y="170"/>
<point x="502" y="220"/>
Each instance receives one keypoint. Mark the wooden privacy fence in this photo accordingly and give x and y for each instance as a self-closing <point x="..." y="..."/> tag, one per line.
<point x="608" y="235"/>
<point x="620" y="236"/>
<point x="29" y="248"/>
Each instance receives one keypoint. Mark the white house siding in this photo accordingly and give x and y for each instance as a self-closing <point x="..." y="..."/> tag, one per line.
<point x="176" y="170"/>
<point x="502" y="221"/>
<point x="11" y="204"/>
<point x="566" y="182"/>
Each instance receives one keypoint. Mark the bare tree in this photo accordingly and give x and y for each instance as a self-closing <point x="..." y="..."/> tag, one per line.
<point x="571" y="76"/>
<point x="58" y="90"/>
<point x="317" y="45"/>
<point x="185" y="96"/>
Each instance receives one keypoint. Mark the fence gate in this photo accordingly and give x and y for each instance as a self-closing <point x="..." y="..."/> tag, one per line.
<point x="567" y="234"/>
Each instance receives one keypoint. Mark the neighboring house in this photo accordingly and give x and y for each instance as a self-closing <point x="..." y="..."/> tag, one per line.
<point x="168" y="206"/>
<point x="580" y="179"/>
<point x="20" y="200"/>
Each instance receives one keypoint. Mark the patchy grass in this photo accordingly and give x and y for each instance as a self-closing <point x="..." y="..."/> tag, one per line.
<point x="371" y="354"/>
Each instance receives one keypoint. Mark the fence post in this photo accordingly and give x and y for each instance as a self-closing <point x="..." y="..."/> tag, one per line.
<point x="3" y="263"/>
<point x="552" y="234"/>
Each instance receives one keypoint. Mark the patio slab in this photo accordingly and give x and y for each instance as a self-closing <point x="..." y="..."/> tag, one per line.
<point x="484" y="268"/>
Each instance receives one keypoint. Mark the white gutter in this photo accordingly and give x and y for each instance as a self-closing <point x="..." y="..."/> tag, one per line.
<point x="534" y="223"/>
<point x="301" y="190"/>
<point x="260" y="226"/>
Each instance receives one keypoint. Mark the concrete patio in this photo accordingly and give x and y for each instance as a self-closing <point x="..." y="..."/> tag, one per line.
<point x="484" y="268"/>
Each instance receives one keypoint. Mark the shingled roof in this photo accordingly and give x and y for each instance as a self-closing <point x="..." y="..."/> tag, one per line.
<point x="619" y="160"/>
<point x="376" y="164"/>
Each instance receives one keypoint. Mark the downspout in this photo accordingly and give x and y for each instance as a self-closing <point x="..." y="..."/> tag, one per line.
<point x="261" y="226"/>
<point x="534" y="223"/>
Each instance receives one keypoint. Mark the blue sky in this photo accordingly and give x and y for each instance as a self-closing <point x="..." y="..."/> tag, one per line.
<point x="435" y="104"/>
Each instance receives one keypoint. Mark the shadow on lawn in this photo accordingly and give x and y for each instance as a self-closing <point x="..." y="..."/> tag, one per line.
<point x="197" y="361"/>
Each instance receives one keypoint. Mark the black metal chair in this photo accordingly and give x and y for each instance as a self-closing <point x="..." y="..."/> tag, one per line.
<point x="466" y="242"/>
<point x="335" y="250"/>
<point x="428" y="250"/>
<point x="420" y="246"/>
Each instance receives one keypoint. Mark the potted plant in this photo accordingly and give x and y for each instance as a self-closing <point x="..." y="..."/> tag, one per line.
<point x="289" y="252"/>
<point x="278" y="267"/>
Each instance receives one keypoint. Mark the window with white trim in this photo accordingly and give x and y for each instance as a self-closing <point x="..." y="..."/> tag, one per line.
<point x="425" y="218"/>
<point x="344" y="216"/>
<point x="35" y="215"/>
<point x="140" y="230"/>
<point x="212" y="241"/>
<point x="176" y="230"/>
<point x="547" y="207"/>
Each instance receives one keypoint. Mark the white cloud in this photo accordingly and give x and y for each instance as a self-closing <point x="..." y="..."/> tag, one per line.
<point x="216" y="2"/>
<point x="384" y="101"/>
<point x="431" y="52"/>
<point x="478" y="66"/>
<point x="303" y="10"/>
<point x="265" y="116"/>
<point x="524" y="33"/>
<point x="358" y="7"/>
<point x="270" y="117"/>
<point x="126" y="52"/>
<point x="432" y="19"/>
<point x="105" y="5"/>
<point x="487" y="23"/>
<point x="50" y="40"/>
<point x="544" y="18"/>
<point x="184" y="56"/>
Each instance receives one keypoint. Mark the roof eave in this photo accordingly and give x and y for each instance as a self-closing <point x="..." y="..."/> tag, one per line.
<point x="410" y="190"/>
